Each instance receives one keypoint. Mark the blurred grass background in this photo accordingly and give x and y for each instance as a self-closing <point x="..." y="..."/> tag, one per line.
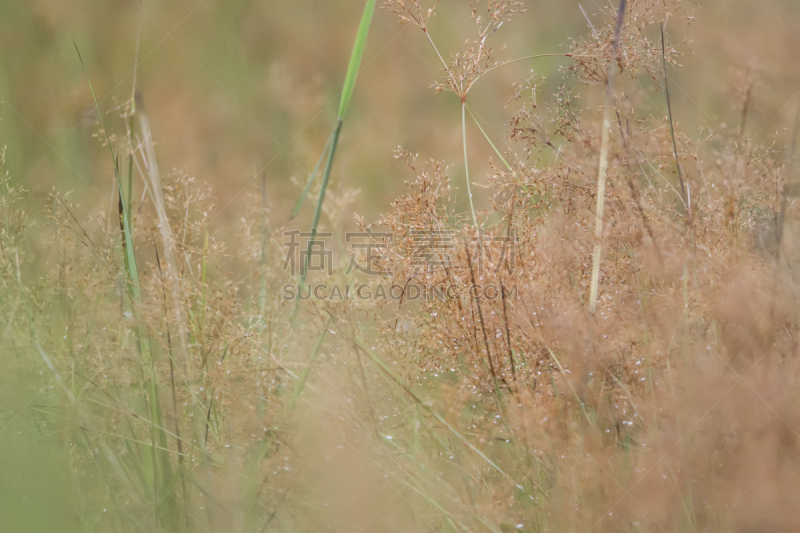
<point x="241" y="86"/>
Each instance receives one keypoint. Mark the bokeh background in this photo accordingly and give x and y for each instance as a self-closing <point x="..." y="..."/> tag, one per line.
<point x="240" y="89"/>
<point x="236" y="88"/>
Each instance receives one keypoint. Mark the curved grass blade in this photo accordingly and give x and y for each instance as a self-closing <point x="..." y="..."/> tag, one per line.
<point x="347" y="93"/>
<point x="686" y="200"/>
<point x="301" y="383"/>
<point x="318" y="210"/>
<point x="355" y="58"/>
<point x="503" y="159"/>
<point x="400" y="383"/>
<point x="466" y="162"/>
<point x="311" y="179"/>
<point x="130" y="259"/>
<point x="161" y="456"/>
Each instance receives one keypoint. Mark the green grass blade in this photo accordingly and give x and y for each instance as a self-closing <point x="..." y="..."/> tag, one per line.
<point x="684" y="197"/>
<point x="388" y="371"/>
<point x="499" y="154"/>
<point x="325" y="178"/>
<point x="347" y="93"/>
<point x="571" y="386"/>
<point x="355" y="58"/>
<point x="503" y="159"/>
<point x="145" y="477"/>
<point x="318" y="212"/>
<point x="97" y="104"/>
<point x="301" y="383"/>
<point x="130" y="258"/>
<point x="161" y="456"/>
<point x="311" y="179"/>
<point x="466" y="162"/>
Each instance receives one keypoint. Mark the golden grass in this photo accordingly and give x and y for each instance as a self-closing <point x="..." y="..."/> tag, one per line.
<point x="647" y="388"/>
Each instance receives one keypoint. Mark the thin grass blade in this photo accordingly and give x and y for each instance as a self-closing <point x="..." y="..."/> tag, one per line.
<point x="311" y="179"/>
<point x="388" y="371"/>
<point x="347" y="93"/>
<point x="355" y="58"/>
<point x="298" y="389"/>
<point x="601" y="175"/>
<point x="133" y="272"/>
<point x="159" y="451"/>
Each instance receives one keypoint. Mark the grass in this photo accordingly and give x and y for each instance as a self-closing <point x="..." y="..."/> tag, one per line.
<point x="601" y="174"/>
<point x="344" y="103"/>
<point x="156" y="379"/>
<point x="159" y="475"/>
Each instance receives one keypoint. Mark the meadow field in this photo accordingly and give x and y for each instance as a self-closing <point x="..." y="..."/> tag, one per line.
<point x="402" y="265"/>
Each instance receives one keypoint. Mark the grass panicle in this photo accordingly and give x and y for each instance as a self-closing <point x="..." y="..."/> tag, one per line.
<point x="593" y="346"/>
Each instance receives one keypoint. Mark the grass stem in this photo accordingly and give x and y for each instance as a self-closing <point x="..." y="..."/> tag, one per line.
<point x="466" y="161"/>
<point x="601" y="176"/>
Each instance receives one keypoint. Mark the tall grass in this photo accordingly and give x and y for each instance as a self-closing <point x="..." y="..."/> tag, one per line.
<point x="601" y="175"/>
<point x="344" y="102"/>
<point x="160" y="474"/>
<point x="633" y="369"/>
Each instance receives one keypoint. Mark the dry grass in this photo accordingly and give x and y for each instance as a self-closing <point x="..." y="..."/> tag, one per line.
<point x="669" y="407"/>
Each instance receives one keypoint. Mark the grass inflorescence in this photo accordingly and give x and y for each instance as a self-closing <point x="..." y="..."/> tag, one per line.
<point x="612" y="344"/>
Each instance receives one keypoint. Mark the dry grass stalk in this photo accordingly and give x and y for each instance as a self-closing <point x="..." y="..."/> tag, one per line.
<point x="601" y="175"/>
